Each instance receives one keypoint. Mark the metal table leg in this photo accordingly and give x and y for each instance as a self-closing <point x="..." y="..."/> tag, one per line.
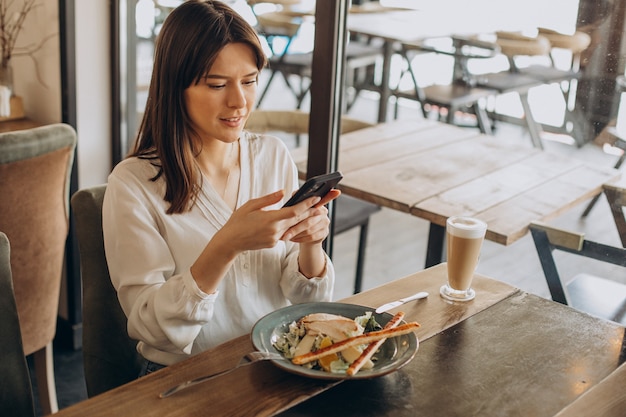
<point x="436" y="240"/>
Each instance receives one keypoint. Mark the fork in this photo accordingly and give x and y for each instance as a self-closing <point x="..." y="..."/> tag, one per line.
<point x="247" y="359"/>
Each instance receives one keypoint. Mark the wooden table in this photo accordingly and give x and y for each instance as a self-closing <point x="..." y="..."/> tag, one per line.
<point x="433" y="170"/>
<point x="504" y="353"/>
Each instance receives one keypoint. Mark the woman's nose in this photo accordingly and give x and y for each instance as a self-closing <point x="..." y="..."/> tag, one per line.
<point x="237" y="97"/>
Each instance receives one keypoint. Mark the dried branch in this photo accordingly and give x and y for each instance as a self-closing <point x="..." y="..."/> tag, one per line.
<point x="30" y="53"/>
<point x="11" y="23"/>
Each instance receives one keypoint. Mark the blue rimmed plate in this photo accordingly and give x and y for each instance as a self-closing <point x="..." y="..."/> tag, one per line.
<point x="392" y="355"/>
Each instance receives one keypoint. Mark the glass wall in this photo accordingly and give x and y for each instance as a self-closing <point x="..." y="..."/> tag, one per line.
<point x="138" y="22"/>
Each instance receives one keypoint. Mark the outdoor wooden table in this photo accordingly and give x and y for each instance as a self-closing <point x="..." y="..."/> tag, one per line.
<point x="504" y="353"/>
<point x="417" y="26"/>
<point x="434" y="170"/>
<point x="397" y="26"/>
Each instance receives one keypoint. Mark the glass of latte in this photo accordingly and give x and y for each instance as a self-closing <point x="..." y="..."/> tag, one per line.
<point x="464" y="236"/>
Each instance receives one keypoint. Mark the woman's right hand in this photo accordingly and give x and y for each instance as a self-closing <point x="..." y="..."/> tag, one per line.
<point x="253" y="226"/>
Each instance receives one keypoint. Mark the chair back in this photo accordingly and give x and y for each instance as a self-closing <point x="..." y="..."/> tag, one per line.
<point x="596" y="295"/>
<point x="293" y="121"/>
<point x="110" y="356"/>
<point x="35" y="168"/>
<point x="278" y="24"/>
<point x="576" y="43"/>
<point x="16" y="395"/>
<point x="275" y="20"/>
<point x="616" y="196"/>
<point x="514" y="44"/>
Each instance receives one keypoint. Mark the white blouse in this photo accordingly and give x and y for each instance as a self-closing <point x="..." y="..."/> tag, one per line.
<point x="149" y="254"/>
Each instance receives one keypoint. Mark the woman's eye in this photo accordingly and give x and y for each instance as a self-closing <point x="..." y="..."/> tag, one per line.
<point x="250" y="82"/>
<point x="216" y="86"/>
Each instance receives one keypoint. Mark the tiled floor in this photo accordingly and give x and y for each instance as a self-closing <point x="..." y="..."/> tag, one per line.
<point x="397" y="243"/>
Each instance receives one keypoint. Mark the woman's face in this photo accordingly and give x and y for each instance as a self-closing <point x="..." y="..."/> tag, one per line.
<point x="221" y="102"/>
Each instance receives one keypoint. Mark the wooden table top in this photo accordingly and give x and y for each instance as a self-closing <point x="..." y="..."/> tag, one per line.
<point x="405" y="25"/>
<point x="435" y="170"/>
<point x="606" y="399"/>
<point x="524" y="356"/>
<point x="505" y="342"/>
<point x="17" y="124"/>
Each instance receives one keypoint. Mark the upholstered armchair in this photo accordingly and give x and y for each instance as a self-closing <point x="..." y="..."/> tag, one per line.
<point x="35" y="167"/>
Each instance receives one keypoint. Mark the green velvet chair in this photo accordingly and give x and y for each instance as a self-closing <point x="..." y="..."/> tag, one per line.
<point x="16" y="395"/>
<point x="35" y="169"/>
<point x="110" y="356"/>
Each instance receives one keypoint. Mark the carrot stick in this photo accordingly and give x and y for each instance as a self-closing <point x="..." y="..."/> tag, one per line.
<point x="355" y="340"/>
<point x="373" y="347"/>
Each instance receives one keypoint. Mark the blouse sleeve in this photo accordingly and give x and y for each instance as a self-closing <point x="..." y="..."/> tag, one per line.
<point x="299" y="289"/>
<point x="165" y="309"/>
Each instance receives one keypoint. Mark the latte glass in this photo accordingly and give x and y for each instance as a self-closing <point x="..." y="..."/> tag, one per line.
<point x="464" y="237"/>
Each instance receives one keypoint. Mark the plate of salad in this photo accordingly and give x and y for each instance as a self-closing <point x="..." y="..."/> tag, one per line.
<point x="309" y="329"/>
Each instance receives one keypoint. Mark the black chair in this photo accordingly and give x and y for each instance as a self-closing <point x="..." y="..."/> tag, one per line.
<point x="110" y="356"/>
<point x="16" y="395"/>
<point x="595" y="295"/>
<point x="460" y="94"/>
<point x="285" y="24"/>
<point x="276" y="25"/>
<point x="349" y="212"/>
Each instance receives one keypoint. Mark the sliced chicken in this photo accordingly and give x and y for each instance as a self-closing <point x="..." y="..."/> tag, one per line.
<point x="305" y="345"/>
<point x="336" y="327"/>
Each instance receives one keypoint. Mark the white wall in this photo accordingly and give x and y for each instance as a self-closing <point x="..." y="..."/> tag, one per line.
<point x="93" y="90"/>
<point x="41" y="94"/>
<point x="42" y="101"/>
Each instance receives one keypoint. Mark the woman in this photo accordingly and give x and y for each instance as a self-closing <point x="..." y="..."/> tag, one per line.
<point x="197" y="243"/>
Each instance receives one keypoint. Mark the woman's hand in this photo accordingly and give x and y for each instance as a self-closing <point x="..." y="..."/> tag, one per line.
<point x="253" y="226"/>
<point x="315" y="227"/>
<point x="310" y="233"/>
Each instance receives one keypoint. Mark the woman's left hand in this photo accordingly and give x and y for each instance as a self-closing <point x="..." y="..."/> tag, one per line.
<point x="315" y="227"/>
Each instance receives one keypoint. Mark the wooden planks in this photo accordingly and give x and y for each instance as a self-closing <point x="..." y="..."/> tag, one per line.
<point x="390" y="149"/>
<point x="508" y="199"/>
<point x="418" y="175"/>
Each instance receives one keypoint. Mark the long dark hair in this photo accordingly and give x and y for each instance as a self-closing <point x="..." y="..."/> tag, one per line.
<point x="192" y="36"/>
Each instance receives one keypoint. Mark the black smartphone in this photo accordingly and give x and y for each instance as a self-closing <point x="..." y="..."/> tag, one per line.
<point x="315" y="186"/>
